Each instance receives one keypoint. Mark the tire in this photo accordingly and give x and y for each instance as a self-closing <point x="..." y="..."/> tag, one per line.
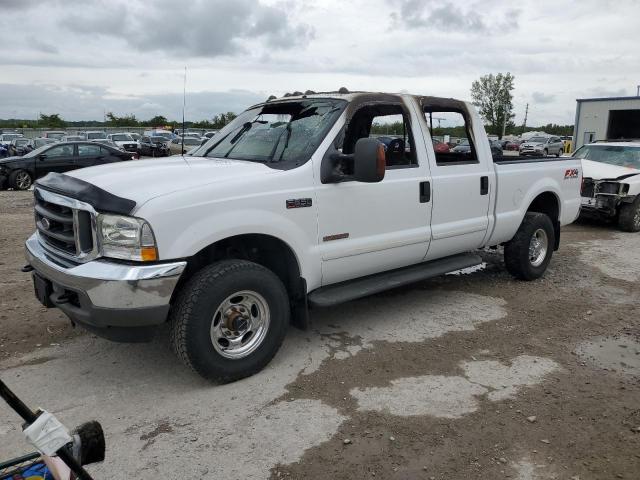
<point x="518" y="257"/>
<point x="629" y="218"/>
<point x="20" y="180"/>
<point x="559" y="153"/>
<point x="545" y="152"/>
<point x="200" y="330"/>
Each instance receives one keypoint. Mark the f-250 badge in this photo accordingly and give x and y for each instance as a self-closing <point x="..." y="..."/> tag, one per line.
<point x="571" y="173"/>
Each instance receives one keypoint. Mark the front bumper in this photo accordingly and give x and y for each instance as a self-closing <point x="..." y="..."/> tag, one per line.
<point x="118" y="301"/>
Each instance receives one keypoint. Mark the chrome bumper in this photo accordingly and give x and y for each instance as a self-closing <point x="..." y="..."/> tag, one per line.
<point x="110" y="285"/>
<point x="120" y="302"/>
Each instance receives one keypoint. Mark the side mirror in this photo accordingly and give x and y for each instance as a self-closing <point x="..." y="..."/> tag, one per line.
<point x="369" y="161"/>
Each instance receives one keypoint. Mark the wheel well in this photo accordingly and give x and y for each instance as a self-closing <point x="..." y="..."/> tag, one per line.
<point x="265" y="250"/>
<point x="548" y="204"/>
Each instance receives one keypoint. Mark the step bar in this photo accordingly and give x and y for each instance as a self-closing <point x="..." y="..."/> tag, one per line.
<point x="379" y="282"/>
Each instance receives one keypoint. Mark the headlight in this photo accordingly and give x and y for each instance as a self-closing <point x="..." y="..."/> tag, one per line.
<point x="127" y="238"/>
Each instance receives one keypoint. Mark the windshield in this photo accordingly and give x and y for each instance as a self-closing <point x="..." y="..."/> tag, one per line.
<point x="621" y="156"/>
<point x="96" y="135"/>
<point x="287" y="131"/>
<point x="121" y="138"/>
<point x="22" y="141"/>
<point x="43" y="141"/>
<point x="537" y="140"/>
<point x="158" y="139"/>
<point x="10" y="136"/>
<point x="56" y="135"/>
<point x="165" y="135"/>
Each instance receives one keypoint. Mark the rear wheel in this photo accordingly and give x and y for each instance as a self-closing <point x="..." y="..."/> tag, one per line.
<point x="229" y="320"/>
<point x="20" y="180"/>
<point x="529" y="252"/>
<point x="629" y="218"/>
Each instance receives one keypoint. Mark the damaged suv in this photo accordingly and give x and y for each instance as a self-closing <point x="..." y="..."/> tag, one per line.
<point x="611" y="185"/>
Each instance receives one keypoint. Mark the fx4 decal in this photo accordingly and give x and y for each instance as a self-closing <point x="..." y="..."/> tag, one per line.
<point x="571" y="173"/>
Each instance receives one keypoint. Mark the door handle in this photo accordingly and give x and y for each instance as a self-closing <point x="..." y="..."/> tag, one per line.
<point x="484" y="185"/>
<point x="425" y="192"/>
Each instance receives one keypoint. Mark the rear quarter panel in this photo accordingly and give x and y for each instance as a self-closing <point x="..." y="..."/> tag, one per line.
<point x="520" y="182"/>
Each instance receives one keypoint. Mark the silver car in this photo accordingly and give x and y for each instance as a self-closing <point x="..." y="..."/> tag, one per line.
<point x="542" y="146"/>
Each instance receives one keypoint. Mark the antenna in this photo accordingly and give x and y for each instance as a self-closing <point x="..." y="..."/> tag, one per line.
<point x="184" y="104"/>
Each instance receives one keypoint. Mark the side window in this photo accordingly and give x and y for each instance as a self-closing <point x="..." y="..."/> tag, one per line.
<point x="85" y="150"/>
<point x="60" y="151"/>
<point x="452" y="140"/>
<point x="387" y="123"/>
<point x="104" y="151"/>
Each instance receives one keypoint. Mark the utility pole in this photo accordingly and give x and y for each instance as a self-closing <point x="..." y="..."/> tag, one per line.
<point x="524" y="122"/>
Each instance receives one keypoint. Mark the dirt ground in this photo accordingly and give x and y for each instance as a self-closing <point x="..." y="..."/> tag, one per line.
<point x="468" y="376"/>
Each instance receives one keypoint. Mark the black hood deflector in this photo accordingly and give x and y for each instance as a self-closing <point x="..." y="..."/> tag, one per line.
<point x="99" y="199"/>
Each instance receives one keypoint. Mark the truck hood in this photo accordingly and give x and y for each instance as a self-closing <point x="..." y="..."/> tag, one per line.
<point x="142" y="180"/>
<point x="600" y="171"/>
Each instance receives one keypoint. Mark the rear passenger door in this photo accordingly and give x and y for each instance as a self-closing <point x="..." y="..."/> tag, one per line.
<point x="88" y="154"/>
<point x="462" y="180"/>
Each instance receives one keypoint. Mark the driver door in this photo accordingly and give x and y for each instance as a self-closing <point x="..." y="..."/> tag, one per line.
<point x="366" y="228"/>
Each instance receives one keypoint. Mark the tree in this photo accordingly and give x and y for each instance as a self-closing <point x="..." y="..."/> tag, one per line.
<point x="492" y="95"/>
<point x="126" y="121"/>
<point x="52" y="121"/>
<point x="158" y="121"/>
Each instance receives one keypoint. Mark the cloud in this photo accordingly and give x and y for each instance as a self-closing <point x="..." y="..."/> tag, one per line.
<point x="204" y="29"/>
<point x="540" y="97"/>
<point x="445" y="16"/>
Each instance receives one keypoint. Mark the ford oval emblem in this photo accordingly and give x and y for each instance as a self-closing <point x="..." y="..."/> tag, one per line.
<point x="45" y="223"/>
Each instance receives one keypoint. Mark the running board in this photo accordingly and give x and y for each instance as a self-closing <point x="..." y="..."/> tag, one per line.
<point x="379" y="282"/>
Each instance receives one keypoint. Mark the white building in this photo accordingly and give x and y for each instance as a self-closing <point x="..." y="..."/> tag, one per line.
<point x="613" y="118"/>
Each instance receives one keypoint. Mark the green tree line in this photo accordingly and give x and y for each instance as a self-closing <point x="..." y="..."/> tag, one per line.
<point x="56" y="121"/>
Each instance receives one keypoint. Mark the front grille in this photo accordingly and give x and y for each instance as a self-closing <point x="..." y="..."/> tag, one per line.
<point x="588" y="188"/>
<point x="65" y="225"/>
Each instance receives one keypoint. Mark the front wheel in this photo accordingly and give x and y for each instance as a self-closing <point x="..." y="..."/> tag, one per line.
<point x="629" y="218"/>
<point x="229" y="320"/>
<point x="529" y="252"/>
<point x="20" y="180"/>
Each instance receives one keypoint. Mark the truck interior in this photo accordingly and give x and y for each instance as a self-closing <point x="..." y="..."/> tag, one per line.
<point x="624" y="125"/>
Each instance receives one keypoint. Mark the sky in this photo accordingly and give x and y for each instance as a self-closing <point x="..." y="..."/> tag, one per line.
<point x="82" y="58"/>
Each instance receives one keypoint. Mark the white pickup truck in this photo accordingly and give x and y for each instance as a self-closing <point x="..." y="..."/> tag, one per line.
<point x="294" y="204"/>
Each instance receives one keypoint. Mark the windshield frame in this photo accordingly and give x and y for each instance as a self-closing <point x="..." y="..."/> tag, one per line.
<point x="237" y="126"/>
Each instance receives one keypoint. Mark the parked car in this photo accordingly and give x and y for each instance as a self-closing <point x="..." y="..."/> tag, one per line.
<point x="611" y="184"/>
<point x="462" y="147"/>
<point x="153" y="146"/>
<point x="166" y="134"/>
<point x="291" y="204"/>
<point x="440" y="147"/>
<point x="54" y="134"/>
<point x="95" y="136"/>
<point x="7" y="138"/>
<point x="175" y="147"/>
<point x="543" y="146"/>
<point x="496" y="148"/>
<point x="124" y="141"/>
<point x="18" y="146"/>
<point x="20" y="172"/>
<point x="513" y="145"/>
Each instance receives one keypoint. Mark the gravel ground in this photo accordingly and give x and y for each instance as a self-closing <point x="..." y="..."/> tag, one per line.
<point x="469" y="376"/>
